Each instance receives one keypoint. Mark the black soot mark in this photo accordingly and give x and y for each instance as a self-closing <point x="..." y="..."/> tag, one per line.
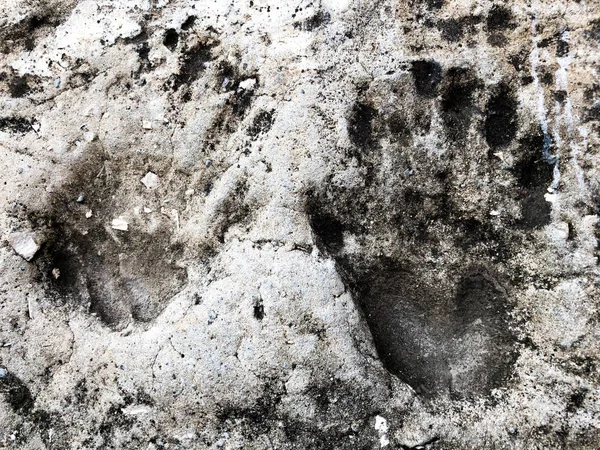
<point x="360" y="126"/>
<point x="499" y="18"/>
<point x="171" y="39"/>
<point x="261" y="124"/>
<point x="189" y="23"/>
<point x="534" y="174"/>
<point x="501" y="118"/>
<point x="457" y="105"/>
<point x="427" y="74"/>
<point x="312" y="23"/>
<point x="258" y="309"/>
<point x="19" y="87"/>
<point x="16" y="393"/>
<point x="193" y="63"/>
<point x="15" y="124"/>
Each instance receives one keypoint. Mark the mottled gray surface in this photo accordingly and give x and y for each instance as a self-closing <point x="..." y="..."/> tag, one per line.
<point x="373" y="224"/>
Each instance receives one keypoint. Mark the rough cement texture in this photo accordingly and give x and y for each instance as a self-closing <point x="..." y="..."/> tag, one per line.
<point x="299" y="225"/>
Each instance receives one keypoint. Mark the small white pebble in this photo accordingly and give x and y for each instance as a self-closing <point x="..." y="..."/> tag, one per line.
<point x="150" y="180"/>
<point x="248" y="84"/>
<point x="120" y="224"/>
<point x="24" y="244"/>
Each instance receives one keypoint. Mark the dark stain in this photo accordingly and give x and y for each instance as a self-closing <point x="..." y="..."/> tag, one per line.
<point x="531" y="169"/>
<point x="240" y="102"/>
<point x="546" y="76"/>
<point x="458" y="102"/>
<point x="560" y="96"/>
<point x="258" y="418"/>
<point x="519" y="60"/>
<point x="51" y="427"/>
<point x="427" y="74"/>
<point x="114" y="420"/>
<point x="228" y="80"/>
<point x="233" y="210"/>
<point x="535" y="210"/>
<point x="360" y="125"/>
<point x="193" y="63"/>
<point x="593" y="32"/>
<point x="258" y="309"/>
<point x="19" y="87"/>
<point x="431" y="5"/>
<point x="189" y="23"/>
<point x="399" y="130"/>
<point x="572" y="233"/>
<point x="452" y="29"/>
<point x="261" y="124"/>
<point x="328" y="231"/>
<point x="526" y="80"/>
<point x="19" y="125"/>
<point x="546" y="42"/>
<point x="16" y="393"/>
<point x="499" y="18"/>
<point x="576" y="400"/>
<point x="500" y="125"/>
<point x="336" y="403"/>
<point x="142" y="48"/>
<point x="171" y="39"/>
<point x="26" y="32"/>
<point x="534" y="173"/>
<point x="312" y="23"/>
<point x="592" y="113"/>
<point x="562" y="48"/>
<point x="497" y="40"/>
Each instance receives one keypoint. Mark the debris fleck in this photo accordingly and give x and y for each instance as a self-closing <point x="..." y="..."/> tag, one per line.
<point x="24" y="244"/>
<point x="147" y="125"/>
<point x="211" y="317"/>
<point x="120" y="224"/>
<point x="56" y="273"/>
<point x="150" y="180"/>
<point x="381" y="426"/>
<point x="80" y="199"/>
<point x="248" y="84"/>
<point x="3" y="372"/>
<point x="88" y="214"/>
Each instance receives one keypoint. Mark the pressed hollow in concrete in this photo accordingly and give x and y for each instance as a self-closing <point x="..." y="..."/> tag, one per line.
<point x="455" y="342"/>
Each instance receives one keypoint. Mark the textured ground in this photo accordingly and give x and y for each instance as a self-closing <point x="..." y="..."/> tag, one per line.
<point x="309" y="225"/>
